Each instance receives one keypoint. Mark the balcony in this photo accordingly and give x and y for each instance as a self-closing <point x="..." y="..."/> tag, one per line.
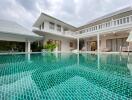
<point x="113" y="25"/>
<point x="69" y="33"/>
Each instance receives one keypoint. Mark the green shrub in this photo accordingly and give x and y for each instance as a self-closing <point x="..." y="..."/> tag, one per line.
<point x="50" y="46"/>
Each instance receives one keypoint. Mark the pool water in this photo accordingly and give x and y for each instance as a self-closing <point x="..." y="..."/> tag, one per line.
<point x="65" y="76"/>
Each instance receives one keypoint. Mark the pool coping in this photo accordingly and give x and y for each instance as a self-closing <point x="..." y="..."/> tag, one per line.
<point x="91" y="52"/>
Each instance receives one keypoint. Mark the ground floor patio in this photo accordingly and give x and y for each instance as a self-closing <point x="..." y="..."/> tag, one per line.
<point x="108" y="42"/>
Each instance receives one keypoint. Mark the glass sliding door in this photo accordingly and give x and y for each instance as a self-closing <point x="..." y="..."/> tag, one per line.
<point x="88" y="46"/>
<point x="124" y="43"/>
<point x="114" y="44"/>
<point x="119" y="44"/>
<point x="109" y="44"/>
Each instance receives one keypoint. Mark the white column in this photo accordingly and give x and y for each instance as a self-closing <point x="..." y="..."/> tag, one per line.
<point x="78" y="44"/>
<point x="98" y="44"/>
<point x="27" y="46"/>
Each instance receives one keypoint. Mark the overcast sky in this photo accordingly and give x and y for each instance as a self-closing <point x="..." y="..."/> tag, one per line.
<point x="74" y="12"/>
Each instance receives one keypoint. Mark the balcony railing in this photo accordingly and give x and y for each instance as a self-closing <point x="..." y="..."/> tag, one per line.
<point x="69" y="33"/>
<point x="63" y="33"/>
<point x="107" y="25"/>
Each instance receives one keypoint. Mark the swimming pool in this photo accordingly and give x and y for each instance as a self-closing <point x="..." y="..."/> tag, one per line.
<point x="65" y="76"/>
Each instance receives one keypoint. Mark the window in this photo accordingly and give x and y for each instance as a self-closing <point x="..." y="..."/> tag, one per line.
<point x="59" y="28"/>
<point x="115" y="23"/>
<point x="124" y="20"/>
<point x="51" y="25"/>
<point x="120" y="21"/>
<point x="108" y="24"/>
<point x="100" y="26"/>
<point x="92" y="28"/>
<point x="103" y="25"/>
<point x="40" y="27"/>
<point x="43" y="25"/>
<point x="127" y="19"/>
<point x="96" y="27"/>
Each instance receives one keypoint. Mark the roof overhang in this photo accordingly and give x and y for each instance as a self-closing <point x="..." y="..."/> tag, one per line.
<point x="18" y="38"/>
<point x="11" y="31"/>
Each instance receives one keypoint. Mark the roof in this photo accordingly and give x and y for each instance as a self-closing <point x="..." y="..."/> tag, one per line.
<point x="107" y="16"/>
<point x="8" y="28"/>
<point x="46" y="17"/>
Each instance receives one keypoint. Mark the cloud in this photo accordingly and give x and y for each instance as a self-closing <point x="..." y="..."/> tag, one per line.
<point x="28" y="5"/>
<point x="11" y="10"/>
<point x="75" y="12"/>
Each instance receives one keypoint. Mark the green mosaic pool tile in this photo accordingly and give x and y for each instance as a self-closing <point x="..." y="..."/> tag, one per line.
<point x="79" y="88"/>
<point x="111" y="82"/>
<point x="52" y="78"/>
<point x="56" y="77"/>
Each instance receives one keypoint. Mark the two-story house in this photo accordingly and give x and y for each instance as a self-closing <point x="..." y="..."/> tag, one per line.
<point x="55" y="30"/>
<point x="107" y="33"/>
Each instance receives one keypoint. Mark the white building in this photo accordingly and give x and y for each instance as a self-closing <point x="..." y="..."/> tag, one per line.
<point x="11" y="31"/>
<point x="107" y="33"/>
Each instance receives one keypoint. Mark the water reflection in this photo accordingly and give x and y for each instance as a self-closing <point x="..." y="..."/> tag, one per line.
<point x="28" y="57"/>
<point x="129" y="64"/>
<point x="118" y="64"/>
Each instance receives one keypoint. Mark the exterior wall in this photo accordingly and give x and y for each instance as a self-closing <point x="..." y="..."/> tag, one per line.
<point x="65" y="42"/>
<point x="64" y="30"/>
<point x="47" y="29"/>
